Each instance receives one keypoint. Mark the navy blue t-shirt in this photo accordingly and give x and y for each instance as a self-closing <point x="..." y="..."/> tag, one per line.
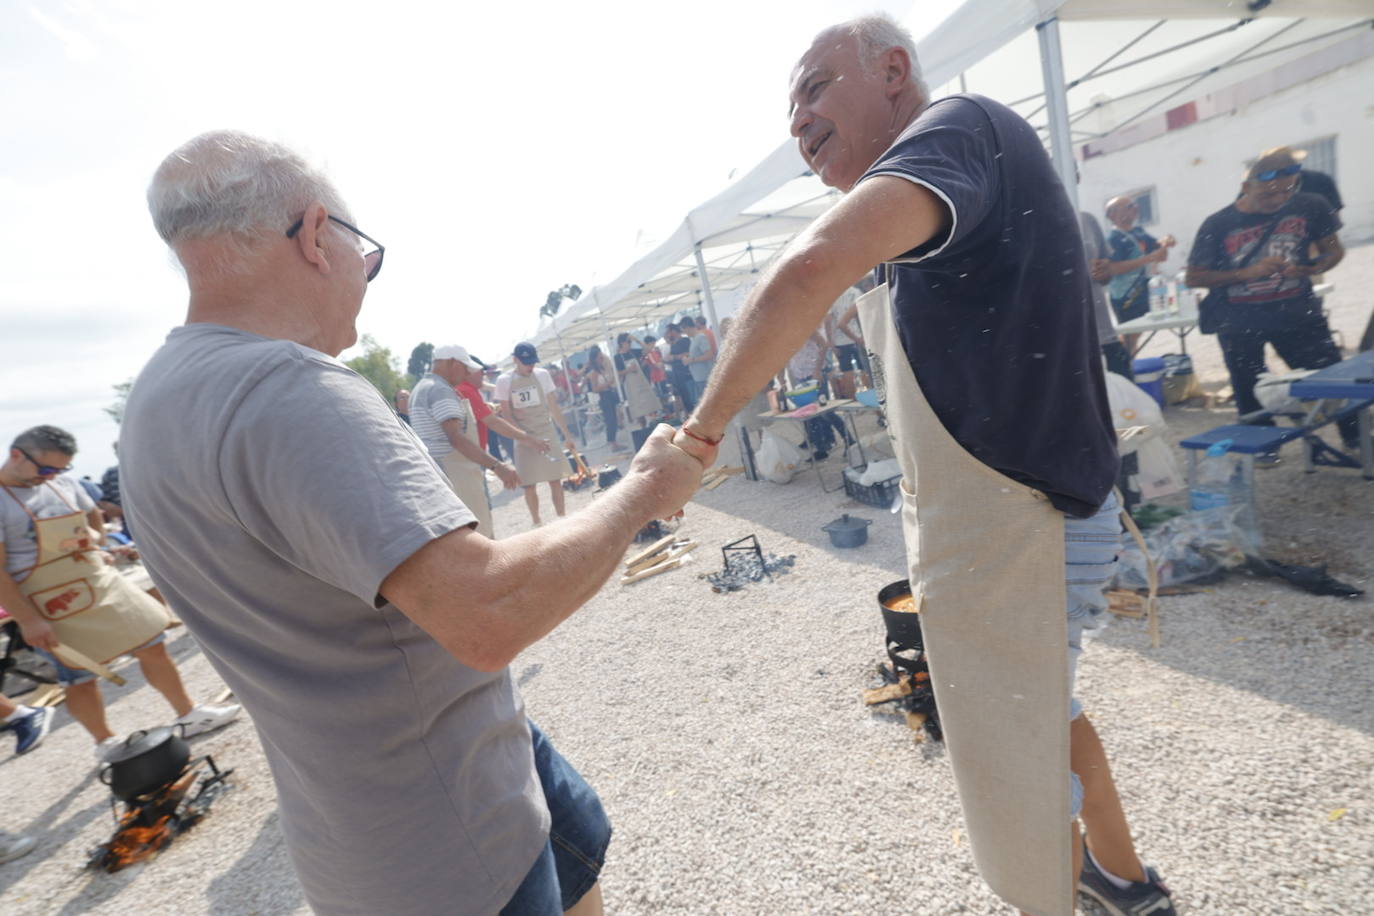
<point x="997" y="317"/>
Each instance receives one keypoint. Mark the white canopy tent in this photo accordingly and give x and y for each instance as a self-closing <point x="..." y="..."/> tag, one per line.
<point x="721" y="246"/>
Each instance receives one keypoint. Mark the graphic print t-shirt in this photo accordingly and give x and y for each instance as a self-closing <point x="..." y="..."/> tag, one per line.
<point x="1226" y="241"/>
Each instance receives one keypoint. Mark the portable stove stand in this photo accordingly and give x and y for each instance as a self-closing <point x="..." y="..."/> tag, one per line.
<point x="153" y="820"/>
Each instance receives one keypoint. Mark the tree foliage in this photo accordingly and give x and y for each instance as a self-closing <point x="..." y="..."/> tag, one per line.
<point x="121" y="390"/>
<point x="420" y="360"/>
<point x="378" y="366"/>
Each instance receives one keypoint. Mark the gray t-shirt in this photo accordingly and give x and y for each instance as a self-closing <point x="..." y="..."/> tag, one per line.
<point x="1095" y="246"/>
<point x="273" y="491"/>
<point x="431" y="403"/>
<point x="58" y="496"/>
<point x="701" y="345"/>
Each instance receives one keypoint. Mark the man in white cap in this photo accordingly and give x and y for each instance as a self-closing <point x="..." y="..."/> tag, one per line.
<point x="445" y="423"/>
<point x="526" y="397"/>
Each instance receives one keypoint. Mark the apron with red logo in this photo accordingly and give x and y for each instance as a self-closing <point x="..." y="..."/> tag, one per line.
<point x="89" y="605"/>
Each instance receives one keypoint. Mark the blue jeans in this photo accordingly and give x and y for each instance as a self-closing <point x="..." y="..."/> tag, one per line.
<point x="578" y="837"/>
<point x="1090" y="551"/>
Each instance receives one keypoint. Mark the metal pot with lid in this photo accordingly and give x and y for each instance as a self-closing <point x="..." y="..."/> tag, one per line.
<point x="848" y="532"/>
<point x="146" y="761"/>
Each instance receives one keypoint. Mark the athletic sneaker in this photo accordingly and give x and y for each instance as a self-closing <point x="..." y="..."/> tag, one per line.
<point x="31" y="728"/>
<point x="1142" y="898"/>
<point x="14" y="845"/>
<point x="204" y="719"/>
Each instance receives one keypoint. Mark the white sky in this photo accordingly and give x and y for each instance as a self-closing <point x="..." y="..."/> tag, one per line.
<point x="498" y="153"/>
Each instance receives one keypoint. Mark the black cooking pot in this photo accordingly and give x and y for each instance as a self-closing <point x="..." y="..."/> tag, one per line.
<point x="606" y="475"/>
<point x="848" y="532"/>
<point x="145" y="762"/>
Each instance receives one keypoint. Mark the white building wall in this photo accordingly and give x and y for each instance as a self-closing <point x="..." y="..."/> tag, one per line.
<point x="1196" y="170"/>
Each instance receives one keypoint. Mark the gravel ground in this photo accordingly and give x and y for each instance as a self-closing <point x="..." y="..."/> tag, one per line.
<point x="727" y="738"/>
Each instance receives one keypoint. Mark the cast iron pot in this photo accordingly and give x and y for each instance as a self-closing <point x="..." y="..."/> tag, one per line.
<point x="145" y="762"/>
<point x="606" y="475"/>
<point x="848" y="532"/>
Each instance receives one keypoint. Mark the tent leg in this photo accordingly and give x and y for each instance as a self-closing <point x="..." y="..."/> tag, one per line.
<point x="708" y="302"/>
<point x="1056" y="106"/>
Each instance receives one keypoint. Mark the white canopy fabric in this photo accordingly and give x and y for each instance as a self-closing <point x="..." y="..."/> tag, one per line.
<point x="722" y="245"/>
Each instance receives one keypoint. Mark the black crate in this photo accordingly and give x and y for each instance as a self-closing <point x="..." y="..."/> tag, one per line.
<point x="880" y="494"/>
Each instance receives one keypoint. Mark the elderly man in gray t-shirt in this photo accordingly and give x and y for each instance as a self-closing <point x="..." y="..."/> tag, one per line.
<point x="332" y="576"/>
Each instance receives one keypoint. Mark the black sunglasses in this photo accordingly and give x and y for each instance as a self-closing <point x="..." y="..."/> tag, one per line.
<point x="44" y="470"/>
<point x="1271" y="174"/>
<point x="372" y="260"/>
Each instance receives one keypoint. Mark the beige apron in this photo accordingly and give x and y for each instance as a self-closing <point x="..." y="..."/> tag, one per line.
<point x="467" y="478"/>
<point x="89" y="605"/>
<point x="986" y="560"/>
<point x="640" y="398"/>
<point x="531" y="413"/>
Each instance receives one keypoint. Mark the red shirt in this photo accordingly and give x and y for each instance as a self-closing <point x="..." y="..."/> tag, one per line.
<point x="480" y="408"/>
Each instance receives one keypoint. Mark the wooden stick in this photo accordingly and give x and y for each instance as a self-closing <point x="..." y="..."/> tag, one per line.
<point x="47" y="695"/>
<point x="224" y="695"/>
<point x="677" y="551"/>
<point x="888" y="692"/>
<point x="76" y="660"/>
<point x="652" y="549"/>
<point x="653" y="571"/>
<point x="715" y="482"/>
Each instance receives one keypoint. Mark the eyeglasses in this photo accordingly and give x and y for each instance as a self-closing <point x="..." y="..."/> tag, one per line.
<point x="44" y="470"/>
<point x="372" y="257"/>
<point x="1271" y="174"/>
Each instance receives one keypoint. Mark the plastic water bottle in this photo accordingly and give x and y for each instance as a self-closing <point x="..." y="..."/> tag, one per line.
<point x="1159" y="295"/>
<point x="1185" y="301"/>
<point x="1220" y="479"/>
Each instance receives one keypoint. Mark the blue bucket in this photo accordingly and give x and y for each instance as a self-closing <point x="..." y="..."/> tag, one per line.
<point x="1149" y="375"/>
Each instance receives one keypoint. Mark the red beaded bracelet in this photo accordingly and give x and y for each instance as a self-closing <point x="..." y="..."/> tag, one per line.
<point x="711" y="442"/>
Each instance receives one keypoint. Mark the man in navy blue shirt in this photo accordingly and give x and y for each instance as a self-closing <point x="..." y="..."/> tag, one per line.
<point x="990" y="289"/>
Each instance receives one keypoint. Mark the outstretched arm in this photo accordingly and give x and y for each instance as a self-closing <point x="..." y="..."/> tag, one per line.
<point x="880" y="219"/>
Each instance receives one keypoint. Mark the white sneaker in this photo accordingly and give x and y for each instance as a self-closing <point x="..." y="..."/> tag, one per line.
<point x="204" y="719"/>
<point x="14" y="845"/>
<point x="107" y="748"/>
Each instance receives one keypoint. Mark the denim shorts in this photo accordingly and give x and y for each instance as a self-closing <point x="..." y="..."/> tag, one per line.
<point x="1090" y="552"/>
<point x="69" y="677"/>
<point x="578" y="837"/>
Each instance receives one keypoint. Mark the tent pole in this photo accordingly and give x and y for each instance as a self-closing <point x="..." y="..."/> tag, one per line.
<point x="1056" y="103"/>
<point x="705" y="287"/>
<point x="567" y="384"/>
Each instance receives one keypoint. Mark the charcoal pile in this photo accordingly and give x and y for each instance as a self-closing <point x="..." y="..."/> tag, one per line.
<point x="744" y="563"/>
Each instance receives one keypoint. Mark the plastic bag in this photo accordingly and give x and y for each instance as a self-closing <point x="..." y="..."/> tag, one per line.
<point x="777" y="458"/>
<point x="1159" y="474"/>
<point x="1132" y="406"/>
<point x="1191" y="547"/>
<point x="1272" y="391"/>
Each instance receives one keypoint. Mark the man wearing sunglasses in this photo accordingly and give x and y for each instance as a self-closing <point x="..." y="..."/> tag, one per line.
<point x="55" y="583"/>
<point x="1257" y="258"/>
<point x="334" y="578"/>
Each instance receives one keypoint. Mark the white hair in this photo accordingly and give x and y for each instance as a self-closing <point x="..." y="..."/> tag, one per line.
<point x="877" y="33"/>
<point x="234" y="184"/>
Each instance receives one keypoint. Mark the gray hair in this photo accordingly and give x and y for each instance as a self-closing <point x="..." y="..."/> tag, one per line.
<point x="234" y="184"/>
<point x="46" y="439"/>
<point x="877" y="33"/>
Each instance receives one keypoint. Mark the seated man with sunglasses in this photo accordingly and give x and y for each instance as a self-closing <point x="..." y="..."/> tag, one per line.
<point x="1255" y="256"/>
<point x="334" y="578"/>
